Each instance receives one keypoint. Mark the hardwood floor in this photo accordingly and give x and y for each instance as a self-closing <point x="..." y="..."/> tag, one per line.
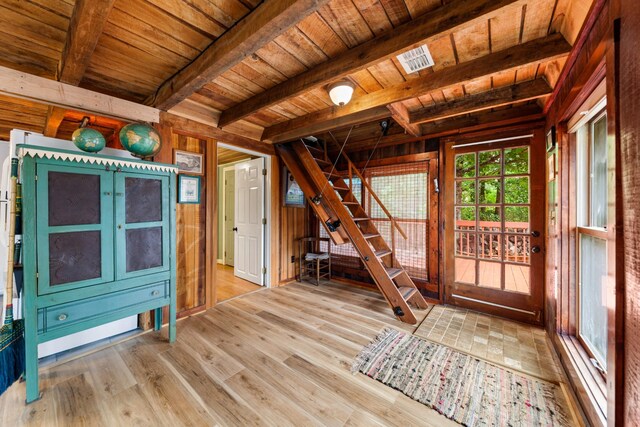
<point x="274" y="357"/>
<point x="230" y="286"/>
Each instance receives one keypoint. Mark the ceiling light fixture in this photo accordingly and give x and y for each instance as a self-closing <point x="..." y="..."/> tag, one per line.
<point x="341" y="92"/>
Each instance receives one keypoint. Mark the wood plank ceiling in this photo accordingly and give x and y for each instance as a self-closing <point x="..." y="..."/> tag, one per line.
<point x="277" y="90"/>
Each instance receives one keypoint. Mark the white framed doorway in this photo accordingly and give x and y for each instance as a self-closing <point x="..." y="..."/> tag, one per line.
<point x="228" y="214"/>
<point x="266" y="257"/>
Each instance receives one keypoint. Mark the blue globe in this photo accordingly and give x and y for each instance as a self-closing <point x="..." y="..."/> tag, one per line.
<point x="140" y="139"/>
<point x="89" y="140"/>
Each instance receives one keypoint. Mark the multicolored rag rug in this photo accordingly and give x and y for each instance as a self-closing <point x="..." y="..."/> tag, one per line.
<point x="461" y="387"/>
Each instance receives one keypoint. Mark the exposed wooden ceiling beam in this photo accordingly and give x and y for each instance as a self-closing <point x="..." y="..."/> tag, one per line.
<point x="423" y="29"/>
<point x="483" y="120"/>
<point x="262" y="25"/>
<point x="45" y="91"/>
<point x="482" y="101"/>
<point x="533" y="52"/>
<point x="321" y="121"/>
<point x="85" y="27"/>
<point x="191" y="127"/>
<point x="400" y="114"/>
<point x="459" y="125"/>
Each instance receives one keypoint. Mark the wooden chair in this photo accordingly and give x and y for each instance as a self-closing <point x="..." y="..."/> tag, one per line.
<point x="314" y="264"/>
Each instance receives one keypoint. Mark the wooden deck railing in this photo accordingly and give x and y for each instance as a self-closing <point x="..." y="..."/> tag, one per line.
<point x="488" y="245"/>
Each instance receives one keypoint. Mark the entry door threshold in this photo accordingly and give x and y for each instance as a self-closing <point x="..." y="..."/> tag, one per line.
<point x="493" y="304"/>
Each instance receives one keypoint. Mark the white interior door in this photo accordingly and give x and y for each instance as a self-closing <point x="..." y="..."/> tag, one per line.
<point x="249" y="212"/>
<point x="229" y="215"/>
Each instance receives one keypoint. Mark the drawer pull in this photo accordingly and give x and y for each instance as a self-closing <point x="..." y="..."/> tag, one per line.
<point x="155" y="293"/>
<point x="62" y="317"/>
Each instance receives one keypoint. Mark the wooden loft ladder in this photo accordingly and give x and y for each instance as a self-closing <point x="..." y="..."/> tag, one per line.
<point x="345" y="220"/>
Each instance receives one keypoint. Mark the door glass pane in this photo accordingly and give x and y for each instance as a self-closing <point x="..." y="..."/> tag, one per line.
<point x="465" y="271"/>
<point x="466" y="165"/>
<point x="489" y="163"/>
<point x="599" y="174"/>
<point x="518" y="249"/>
<point x="143" y="200"/>
<point x="489" y="191"/>
<point x="516" y="219"/>
<point x="593" y="306"/>
<point x="489" y="219"/>
<point x="516" y="161"/>
<point x="144" y="248"/>
<point x="466" y="218"/>
<point x="490" y="246"/>
<point x="516" y="278"/>
<point x="490" y="274"/>
<point x="74" y="198"/>
<point x="466" y="192"/>
<point x="466" y="244"/>
<point x="74" y="257"/>
<point x="516" y="190"/>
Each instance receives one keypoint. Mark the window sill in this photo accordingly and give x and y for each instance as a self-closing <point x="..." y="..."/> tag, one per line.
<point x="586" y="381"/>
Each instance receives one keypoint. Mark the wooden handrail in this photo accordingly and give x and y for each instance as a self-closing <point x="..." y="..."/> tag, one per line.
<point x="377" y="199"/>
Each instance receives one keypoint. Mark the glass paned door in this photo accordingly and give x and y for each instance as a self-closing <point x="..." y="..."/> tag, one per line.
<point x="142" y="233"/>
<point x="75" y="227"/>
<point x="495" y="237"/>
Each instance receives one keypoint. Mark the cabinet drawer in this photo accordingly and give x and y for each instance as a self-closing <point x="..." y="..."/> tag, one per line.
<point x="72" y="315"/>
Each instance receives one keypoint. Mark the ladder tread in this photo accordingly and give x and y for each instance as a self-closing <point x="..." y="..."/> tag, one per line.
<point x="322" y="162"/>
<point x="407" y="292"/>
<point x="370" y="235"/>
<point x="393" y="272"/>
<point x="350" y="203"/>
<point x="361" y="219"/>
<point x="383" y="252"/>
<point x="313" y="149"/>
<point x="340" y="188"/>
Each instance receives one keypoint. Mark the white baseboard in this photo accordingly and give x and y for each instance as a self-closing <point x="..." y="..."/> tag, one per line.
<point x="220" y="261"/>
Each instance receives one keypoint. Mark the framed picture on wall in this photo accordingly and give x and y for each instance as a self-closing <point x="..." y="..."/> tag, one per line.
<point x="188" y="189"/>
<point x="293" y="195"/>
<point x="551" y="139"/>
<point x="188" y="162"/>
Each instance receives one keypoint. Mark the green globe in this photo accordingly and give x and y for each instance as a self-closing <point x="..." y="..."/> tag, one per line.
<point x="140" y="139"/>
<point x="89" y="140"/>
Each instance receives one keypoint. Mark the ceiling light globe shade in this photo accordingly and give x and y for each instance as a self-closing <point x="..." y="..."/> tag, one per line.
<point x="341" y="92"/>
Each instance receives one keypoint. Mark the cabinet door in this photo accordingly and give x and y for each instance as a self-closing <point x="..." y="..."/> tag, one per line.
<point x="74" y="227"/>
<point x="142" y="218"/>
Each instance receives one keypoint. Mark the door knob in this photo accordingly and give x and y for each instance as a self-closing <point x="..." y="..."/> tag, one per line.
<point x="535" y="233"/>
<point x="535" y="249"/>
<point x="235" y="228"/>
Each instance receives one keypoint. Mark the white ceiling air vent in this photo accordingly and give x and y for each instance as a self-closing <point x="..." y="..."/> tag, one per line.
<point x="416" y="59"/>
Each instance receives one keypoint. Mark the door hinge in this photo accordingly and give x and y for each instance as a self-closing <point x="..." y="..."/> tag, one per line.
<point x="36" y="177"/>
<point x="264" y="221"/>
<point x="264" y="172"/>
<point x="264" y="270"/>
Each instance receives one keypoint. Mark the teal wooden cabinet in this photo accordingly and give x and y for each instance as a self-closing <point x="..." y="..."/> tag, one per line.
<point x="99" y="244"/>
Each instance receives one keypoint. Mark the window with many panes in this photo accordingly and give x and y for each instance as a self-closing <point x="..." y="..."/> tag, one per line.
<point x="591" y="242"/>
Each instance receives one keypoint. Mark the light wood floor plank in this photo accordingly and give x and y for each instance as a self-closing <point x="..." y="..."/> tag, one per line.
<point x="275" y="357"/>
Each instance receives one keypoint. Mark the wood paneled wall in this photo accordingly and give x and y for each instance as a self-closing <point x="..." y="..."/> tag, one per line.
<point x="191" y="236"/>
<point x="597" y="57"/>
<point x="625" y="86"/>
<point x="293" y="226"/>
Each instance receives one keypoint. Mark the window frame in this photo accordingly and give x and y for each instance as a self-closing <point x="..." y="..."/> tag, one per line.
<point x="584" y="200"/>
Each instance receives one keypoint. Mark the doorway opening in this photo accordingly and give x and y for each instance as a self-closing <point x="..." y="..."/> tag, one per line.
<point x="243" y="195"/>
